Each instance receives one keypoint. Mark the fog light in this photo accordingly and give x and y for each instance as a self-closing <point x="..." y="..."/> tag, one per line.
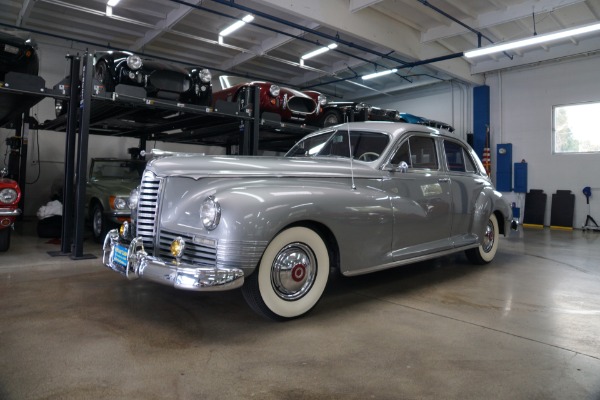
<point x="177" y="247"/>
<point x="124" y="230"/>
<point x="131" y="75"/>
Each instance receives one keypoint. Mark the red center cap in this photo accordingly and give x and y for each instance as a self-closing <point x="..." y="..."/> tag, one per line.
<point x="298" y="272"/>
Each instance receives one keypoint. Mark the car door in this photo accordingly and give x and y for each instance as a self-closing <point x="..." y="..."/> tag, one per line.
<point x="420" y="197"/>
<point x="466" y="186"/>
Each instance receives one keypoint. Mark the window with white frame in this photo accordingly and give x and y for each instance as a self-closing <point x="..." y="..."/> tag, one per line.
<point x="575" y="128"/>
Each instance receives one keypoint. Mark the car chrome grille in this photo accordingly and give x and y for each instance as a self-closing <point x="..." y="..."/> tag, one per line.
<point x="301" y="105"/>
<point x="194" y="253"/>
<point x="148" y="209"/>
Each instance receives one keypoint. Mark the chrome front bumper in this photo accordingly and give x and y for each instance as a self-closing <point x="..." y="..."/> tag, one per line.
<point x="179" y="275"/>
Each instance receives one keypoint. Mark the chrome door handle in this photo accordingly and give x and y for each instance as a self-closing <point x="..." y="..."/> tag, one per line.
<point x="444" y="180"/>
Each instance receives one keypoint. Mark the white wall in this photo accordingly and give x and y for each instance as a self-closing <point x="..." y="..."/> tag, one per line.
<point x="449" y="102"/>
<point x="46" y="170"/>
<point x="521" y="114"/>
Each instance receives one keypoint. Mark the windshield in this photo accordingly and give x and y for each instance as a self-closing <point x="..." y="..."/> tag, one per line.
<point x="366" y="146"/>
<point x="117" y="169"/>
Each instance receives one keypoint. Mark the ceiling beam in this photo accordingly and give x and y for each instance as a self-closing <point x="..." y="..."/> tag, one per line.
<point x="25" y="11"/>
<point x="266" y="46"/>
<point x="375" y="27"/>
<point x="357" y="5"/>
<point x="493" y="18"/>
<point x="171" y="19"/>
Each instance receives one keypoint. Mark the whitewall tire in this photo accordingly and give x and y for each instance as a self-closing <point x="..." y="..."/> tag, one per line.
<point x="291" y="276"/>
<point x="486" y="251"/>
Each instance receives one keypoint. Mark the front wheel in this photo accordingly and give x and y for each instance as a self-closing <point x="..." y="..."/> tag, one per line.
<point x="291" y="276"/>
<point x="5" y="239"/>
<point x="489" y="246"/>
<point x="99" y="223"/>
<point x="330" y="118"/>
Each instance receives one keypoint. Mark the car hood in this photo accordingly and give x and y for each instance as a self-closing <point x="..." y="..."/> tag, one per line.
<point x="197" y="166"/>
<point x="114" y="187"/>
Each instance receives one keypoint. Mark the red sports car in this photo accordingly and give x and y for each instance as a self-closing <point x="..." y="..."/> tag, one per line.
<point x="292" y="105"/>
<point x="10" y="194"/>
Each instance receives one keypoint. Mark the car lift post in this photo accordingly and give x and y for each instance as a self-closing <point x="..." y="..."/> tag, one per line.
<point x="82" y="155"/>
<point x="250" y="138"/>
<point x="68" y="198"/>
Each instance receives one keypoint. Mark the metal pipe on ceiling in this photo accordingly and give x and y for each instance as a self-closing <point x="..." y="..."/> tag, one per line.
<point x="282" y="21"/>
<point x="475" y="31"/>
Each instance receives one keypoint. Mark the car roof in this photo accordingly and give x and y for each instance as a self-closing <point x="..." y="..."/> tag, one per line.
<point x="394" y="129"/>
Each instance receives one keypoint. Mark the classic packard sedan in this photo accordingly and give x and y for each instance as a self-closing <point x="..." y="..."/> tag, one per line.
<point x="356" y="198"/>
<point x="10" y="194"/>
<point x="290" y="104"/>
<point x="161" y="80"/>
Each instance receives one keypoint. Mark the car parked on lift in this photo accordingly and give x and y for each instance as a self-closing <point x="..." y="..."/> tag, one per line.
<point x="10" y="195"/>
<point x="159" y="79"/>
<point x="337" y="112"/>
<point x="356" y="198"/>
<point x="107" y="192"/>
<point x="18" y="53"/>
<point x="291" y="105"/>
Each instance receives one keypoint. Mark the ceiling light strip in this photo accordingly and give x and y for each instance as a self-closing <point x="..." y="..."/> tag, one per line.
<point x="539" y="39"/>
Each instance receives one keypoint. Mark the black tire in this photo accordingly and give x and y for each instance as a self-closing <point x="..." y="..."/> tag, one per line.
<point x="291" y="276"/>
<point x="5" y="239"/>
<point x="103" y="76"/>
<point x="486" y="251"/>
<point x="330" y="118"/>
<point x="99" y="223"/>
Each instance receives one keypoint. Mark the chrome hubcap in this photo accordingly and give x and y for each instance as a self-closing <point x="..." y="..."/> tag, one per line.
<point x="293" y="271"/>
<point x="331" y="120"/>
<point x="97" y="222"/>
<point x="488" y="237"/>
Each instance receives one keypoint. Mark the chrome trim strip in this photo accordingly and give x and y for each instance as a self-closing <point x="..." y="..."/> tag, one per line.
<point x="10" y="213"/>
<point x="409" y="260"/>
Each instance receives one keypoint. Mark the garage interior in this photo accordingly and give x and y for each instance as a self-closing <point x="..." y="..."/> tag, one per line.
<point x="524" y="326"/>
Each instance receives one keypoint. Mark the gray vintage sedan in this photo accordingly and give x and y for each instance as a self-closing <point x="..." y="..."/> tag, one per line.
<point x="357" y="198"/>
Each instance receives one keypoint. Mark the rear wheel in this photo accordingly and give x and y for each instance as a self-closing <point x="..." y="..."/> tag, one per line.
<point x="488" y="248"/>
<point x="291" y="276"/>
<point x="5" y="239"/>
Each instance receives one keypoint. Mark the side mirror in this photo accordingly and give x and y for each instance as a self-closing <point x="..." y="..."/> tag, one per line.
<point x="402" y="167"/>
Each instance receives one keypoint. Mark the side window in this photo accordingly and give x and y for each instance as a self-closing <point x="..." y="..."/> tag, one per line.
<point x="417" y="152"/>
<point x="458" y="158"/>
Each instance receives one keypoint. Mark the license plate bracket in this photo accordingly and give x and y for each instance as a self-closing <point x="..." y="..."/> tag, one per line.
<point x="119" y="255"/>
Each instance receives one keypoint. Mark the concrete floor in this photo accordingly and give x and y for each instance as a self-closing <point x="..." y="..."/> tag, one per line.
<point x="526" y="326"/>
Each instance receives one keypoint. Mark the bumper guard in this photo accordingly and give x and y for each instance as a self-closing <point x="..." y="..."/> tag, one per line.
<point x="179" y="275"/>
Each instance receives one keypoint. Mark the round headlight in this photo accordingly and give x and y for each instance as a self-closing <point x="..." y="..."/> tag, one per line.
<point x="134" y="62"/>
<point x="274" y="90"/>
<point x="58" y="106"/>
<point x="210" y="213"/>
<point x="205" y="75"/>
<point x="117" y="203"/>
<point x="322" y="100"/>
<point x="134" y="198"/>
<point x="8" y="196"/>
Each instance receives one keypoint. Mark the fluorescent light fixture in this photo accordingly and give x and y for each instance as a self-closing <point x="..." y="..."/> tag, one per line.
<point x="236" y="25"/>
<point x="380" y="73"/>
<point x="112" y="3"/>
<point x="515" y="44"/>
<point x="320" y="50"/>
